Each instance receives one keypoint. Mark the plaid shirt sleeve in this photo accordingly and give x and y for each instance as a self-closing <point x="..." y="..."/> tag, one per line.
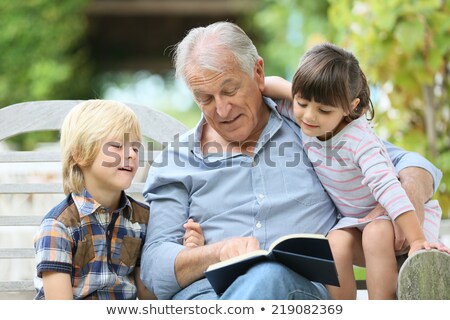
<point x="53" y="247"/>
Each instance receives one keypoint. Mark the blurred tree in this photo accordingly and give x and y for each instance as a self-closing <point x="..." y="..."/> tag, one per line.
<point x="284" y="28"/>
<point x="403" y="47"/>
<point x="42" y="55"/>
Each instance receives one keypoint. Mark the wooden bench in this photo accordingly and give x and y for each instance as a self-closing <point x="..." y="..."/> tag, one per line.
<point x="18" y="224"/>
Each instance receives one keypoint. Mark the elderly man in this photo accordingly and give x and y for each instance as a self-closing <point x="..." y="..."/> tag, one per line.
<point x="242" y="174"/>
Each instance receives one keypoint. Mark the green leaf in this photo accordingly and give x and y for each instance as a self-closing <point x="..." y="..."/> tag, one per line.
<point x="410" y="35"/>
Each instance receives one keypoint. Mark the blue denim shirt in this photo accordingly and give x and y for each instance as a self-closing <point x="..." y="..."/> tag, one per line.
<point x="273" y="193"/>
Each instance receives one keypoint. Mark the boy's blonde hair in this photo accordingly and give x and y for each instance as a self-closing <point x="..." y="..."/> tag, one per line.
<point x="84" y="130"/>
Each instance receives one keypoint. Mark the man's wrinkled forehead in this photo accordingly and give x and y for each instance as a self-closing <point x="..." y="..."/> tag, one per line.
<point x="197" y="77"/>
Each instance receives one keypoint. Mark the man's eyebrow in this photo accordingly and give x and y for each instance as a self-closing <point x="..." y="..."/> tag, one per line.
<point x="196" y="92"/>
<point x="225" y="82"/>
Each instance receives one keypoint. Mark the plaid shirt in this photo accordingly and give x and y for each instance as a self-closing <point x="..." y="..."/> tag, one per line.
<point x="100" y="250"/>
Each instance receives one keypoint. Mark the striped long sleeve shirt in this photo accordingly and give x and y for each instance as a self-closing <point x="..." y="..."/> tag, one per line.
<point x="356" y="171"/>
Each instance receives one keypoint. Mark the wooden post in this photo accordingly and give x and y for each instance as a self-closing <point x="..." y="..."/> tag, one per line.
<point x="425" y="276"/>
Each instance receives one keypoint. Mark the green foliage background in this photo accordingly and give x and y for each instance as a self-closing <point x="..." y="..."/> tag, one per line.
<point x="42" y="54"/>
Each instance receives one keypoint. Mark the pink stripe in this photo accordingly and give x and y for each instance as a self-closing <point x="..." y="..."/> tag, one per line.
<point x="433" y="212"/>
<point x="335" y="170"/>
<point x="322" y="156"/>
<point x="356" y="207"/>
<point x="370" y="158"/>
<point x="340" y="148"/>
<point x="365" y="145"/>
<point x="431" y="222"/>
<point x="382" y="171"/>
<point x="337" y="181"/>
<point x="430" y="234"/>
<point x="361" y="214"/>
<point x="395" y="199"/>
<point x="354" y="199"/>
<point x="377" y="187"/>
<point x="436" y="207"/>
<point x="378" y="178"/>
<point x="427" y="232"/>
<point x="390" y="189"/>
<point x="342" y="190"/>
<point x="403" y="209"/>
<point x="351" y="137"/>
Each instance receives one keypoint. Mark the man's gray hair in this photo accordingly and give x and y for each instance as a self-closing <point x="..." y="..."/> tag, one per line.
<point x="205" y="47"/>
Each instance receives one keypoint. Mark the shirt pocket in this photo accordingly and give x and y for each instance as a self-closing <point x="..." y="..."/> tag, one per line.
<point x="85" y="252"/>
<point x="300" y="181"/>
<point x="130" y="250"/>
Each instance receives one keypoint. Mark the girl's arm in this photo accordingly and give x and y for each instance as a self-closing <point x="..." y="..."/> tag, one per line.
<point x="387" y="190"/>
<point x="277" y="88"/>
<point x="57" y="286"/>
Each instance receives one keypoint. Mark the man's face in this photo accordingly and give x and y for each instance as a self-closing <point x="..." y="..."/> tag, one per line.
<point x="231" y="101"/>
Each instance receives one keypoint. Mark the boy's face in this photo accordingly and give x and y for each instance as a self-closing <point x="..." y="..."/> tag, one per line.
<point x="114" y="167"/>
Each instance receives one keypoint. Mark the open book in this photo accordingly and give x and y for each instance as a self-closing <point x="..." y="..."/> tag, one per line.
<point x="307" y="254"/>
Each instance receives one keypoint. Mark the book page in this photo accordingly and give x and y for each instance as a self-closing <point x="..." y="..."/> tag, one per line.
<point x="242" y="257"/>
<point x="296" y="235"/>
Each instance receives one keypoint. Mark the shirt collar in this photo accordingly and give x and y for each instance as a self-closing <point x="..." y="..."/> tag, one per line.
<point x="87" y="205"/>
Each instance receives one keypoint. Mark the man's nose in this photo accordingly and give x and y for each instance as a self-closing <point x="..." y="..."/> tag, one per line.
<point x="223" y="107"/>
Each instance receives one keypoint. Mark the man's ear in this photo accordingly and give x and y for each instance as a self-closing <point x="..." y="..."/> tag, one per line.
<point x="259" y="73"/>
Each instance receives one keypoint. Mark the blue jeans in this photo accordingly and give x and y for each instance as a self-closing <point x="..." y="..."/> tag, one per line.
<point x="265" y="281"/>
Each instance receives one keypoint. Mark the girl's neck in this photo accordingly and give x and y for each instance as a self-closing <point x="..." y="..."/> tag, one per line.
<point x="341" y="125"/>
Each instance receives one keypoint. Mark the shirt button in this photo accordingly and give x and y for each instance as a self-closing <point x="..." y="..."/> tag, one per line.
<point x="261" y="196"/>
<point x="258" y="225"/>
<point x="254" y="164"/>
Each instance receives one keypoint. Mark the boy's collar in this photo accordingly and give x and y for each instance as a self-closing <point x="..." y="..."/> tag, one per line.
<point x="87" y="205"/>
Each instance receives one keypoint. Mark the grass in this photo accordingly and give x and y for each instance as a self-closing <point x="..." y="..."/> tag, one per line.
<point x="360" y="273"/>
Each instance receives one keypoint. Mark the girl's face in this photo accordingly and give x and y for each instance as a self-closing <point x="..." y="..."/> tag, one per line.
<point x="316" y="120"/>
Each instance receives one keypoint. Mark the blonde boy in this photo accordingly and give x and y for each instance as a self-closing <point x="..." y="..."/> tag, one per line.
<point x="89" y="246"/>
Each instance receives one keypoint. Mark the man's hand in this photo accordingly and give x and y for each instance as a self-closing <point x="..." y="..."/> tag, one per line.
<point x="418" y="184"/>
<point x="400" y="243"/>
<point x="191" y="263"/>
<point x="375" y="213"/>
<point x="237" y="246"/>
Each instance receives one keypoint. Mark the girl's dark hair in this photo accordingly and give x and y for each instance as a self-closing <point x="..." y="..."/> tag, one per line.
<point x="331" y="75"/>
